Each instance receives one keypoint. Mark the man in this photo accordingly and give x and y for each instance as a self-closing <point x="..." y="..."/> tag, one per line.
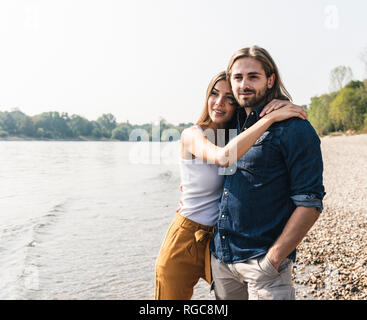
<point x="275" y="195"/>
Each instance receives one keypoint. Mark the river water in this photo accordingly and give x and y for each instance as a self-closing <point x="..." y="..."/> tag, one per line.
<point x="85" y="220"/>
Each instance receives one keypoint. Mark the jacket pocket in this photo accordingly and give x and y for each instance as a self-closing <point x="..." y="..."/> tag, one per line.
<point x="256" y="158"/>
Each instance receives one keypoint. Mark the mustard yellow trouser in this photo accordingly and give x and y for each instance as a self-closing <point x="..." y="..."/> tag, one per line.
<point x="183" y="259"/>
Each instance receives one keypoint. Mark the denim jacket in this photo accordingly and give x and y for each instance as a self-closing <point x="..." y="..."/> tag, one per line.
<point x="281" y="171"/>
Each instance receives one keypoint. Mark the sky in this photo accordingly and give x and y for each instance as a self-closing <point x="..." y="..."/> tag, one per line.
<point x="143" y="59"/>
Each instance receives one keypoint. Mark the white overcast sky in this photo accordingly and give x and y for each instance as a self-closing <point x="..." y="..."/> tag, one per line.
<point x="141" y="59"/>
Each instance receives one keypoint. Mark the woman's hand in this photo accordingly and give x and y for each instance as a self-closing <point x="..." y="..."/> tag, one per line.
<point x="180" y="204"/>
<point x="279" y="110"/>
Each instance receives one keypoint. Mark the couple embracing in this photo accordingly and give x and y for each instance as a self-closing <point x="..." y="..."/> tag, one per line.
<point x="238" y="228"/>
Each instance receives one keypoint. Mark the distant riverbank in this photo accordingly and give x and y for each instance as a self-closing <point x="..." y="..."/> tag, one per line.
<point x="82" y="138"/>
<point x="23" y="138"/>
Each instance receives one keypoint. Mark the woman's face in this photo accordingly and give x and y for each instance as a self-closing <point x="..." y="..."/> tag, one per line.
<point x="221" y="104"/>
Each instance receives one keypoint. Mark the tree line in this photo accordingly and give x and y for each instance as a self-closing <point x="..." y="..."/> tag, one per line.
<point x="54" y="125"/>
<point x="344" y="108"/>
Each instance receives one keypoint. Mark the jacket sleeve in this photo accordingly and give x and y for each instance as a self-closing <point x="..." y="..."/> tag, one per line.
<point x="301" y="150"/>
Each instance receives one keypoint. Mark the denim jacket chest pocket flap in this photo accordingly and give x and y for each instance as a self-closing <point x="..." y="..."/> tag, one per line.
<point x="257" y="157"/>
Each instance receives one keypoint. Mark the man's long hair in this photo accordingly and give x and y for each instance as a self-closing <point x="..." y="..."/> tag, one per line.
<point x="278" y="91"/>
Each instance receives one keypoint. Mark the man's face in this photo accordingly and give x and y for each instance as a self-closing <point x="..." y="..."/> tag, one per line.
<point x="249" y="82"/>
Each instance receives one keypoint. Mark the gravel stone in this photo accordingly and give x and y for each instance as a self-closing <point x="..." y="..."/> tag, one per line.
<point x="332" y="259"/>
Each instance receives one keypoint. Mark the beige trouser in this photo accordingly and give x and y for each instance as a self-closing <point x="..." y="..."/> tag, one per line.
<point x="255" y="279"/>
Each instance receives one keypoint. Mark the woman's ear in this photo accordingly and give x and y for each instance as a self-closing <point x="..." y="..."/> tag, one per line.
<point x="271" y="81"/>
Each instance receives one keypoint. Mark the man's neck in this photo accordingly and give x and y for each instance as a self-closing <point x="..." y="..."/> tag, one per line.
<point x="252" y="108"/>
<point x="249" y="109"/>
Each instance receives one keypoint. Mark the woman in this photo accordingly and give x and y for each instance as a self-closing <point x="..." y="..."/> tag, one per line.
<point x="184" y="257"/>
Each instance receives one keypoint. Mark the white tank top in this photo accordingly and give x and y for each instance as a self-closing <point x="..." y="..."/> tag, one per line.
<point x="202" y="188"/>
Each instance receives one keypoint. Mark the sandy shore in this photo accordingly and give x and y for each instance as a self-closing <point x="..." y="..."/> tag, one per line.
<point x="332" y="258"/>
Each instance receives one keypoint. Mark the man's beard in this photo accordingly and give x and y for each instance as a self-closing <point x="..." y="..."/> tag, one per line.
<point x="255" y="101"/>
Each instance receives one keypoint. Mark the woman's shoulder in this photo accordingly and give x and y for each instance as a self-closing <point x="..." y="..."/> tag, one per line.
<point x="190" y="131"/>
<point x="195" y="127"/>
<point x="188" y="136"/>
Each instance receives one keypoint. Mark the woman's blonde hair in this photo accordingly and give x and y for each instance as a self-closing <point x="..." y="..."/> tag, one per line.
<point x="278" y="91"/>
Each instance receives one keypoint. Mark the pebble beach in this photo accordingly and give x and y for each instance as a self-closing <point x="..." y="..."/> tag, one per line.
<point x="332" y="259"/>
